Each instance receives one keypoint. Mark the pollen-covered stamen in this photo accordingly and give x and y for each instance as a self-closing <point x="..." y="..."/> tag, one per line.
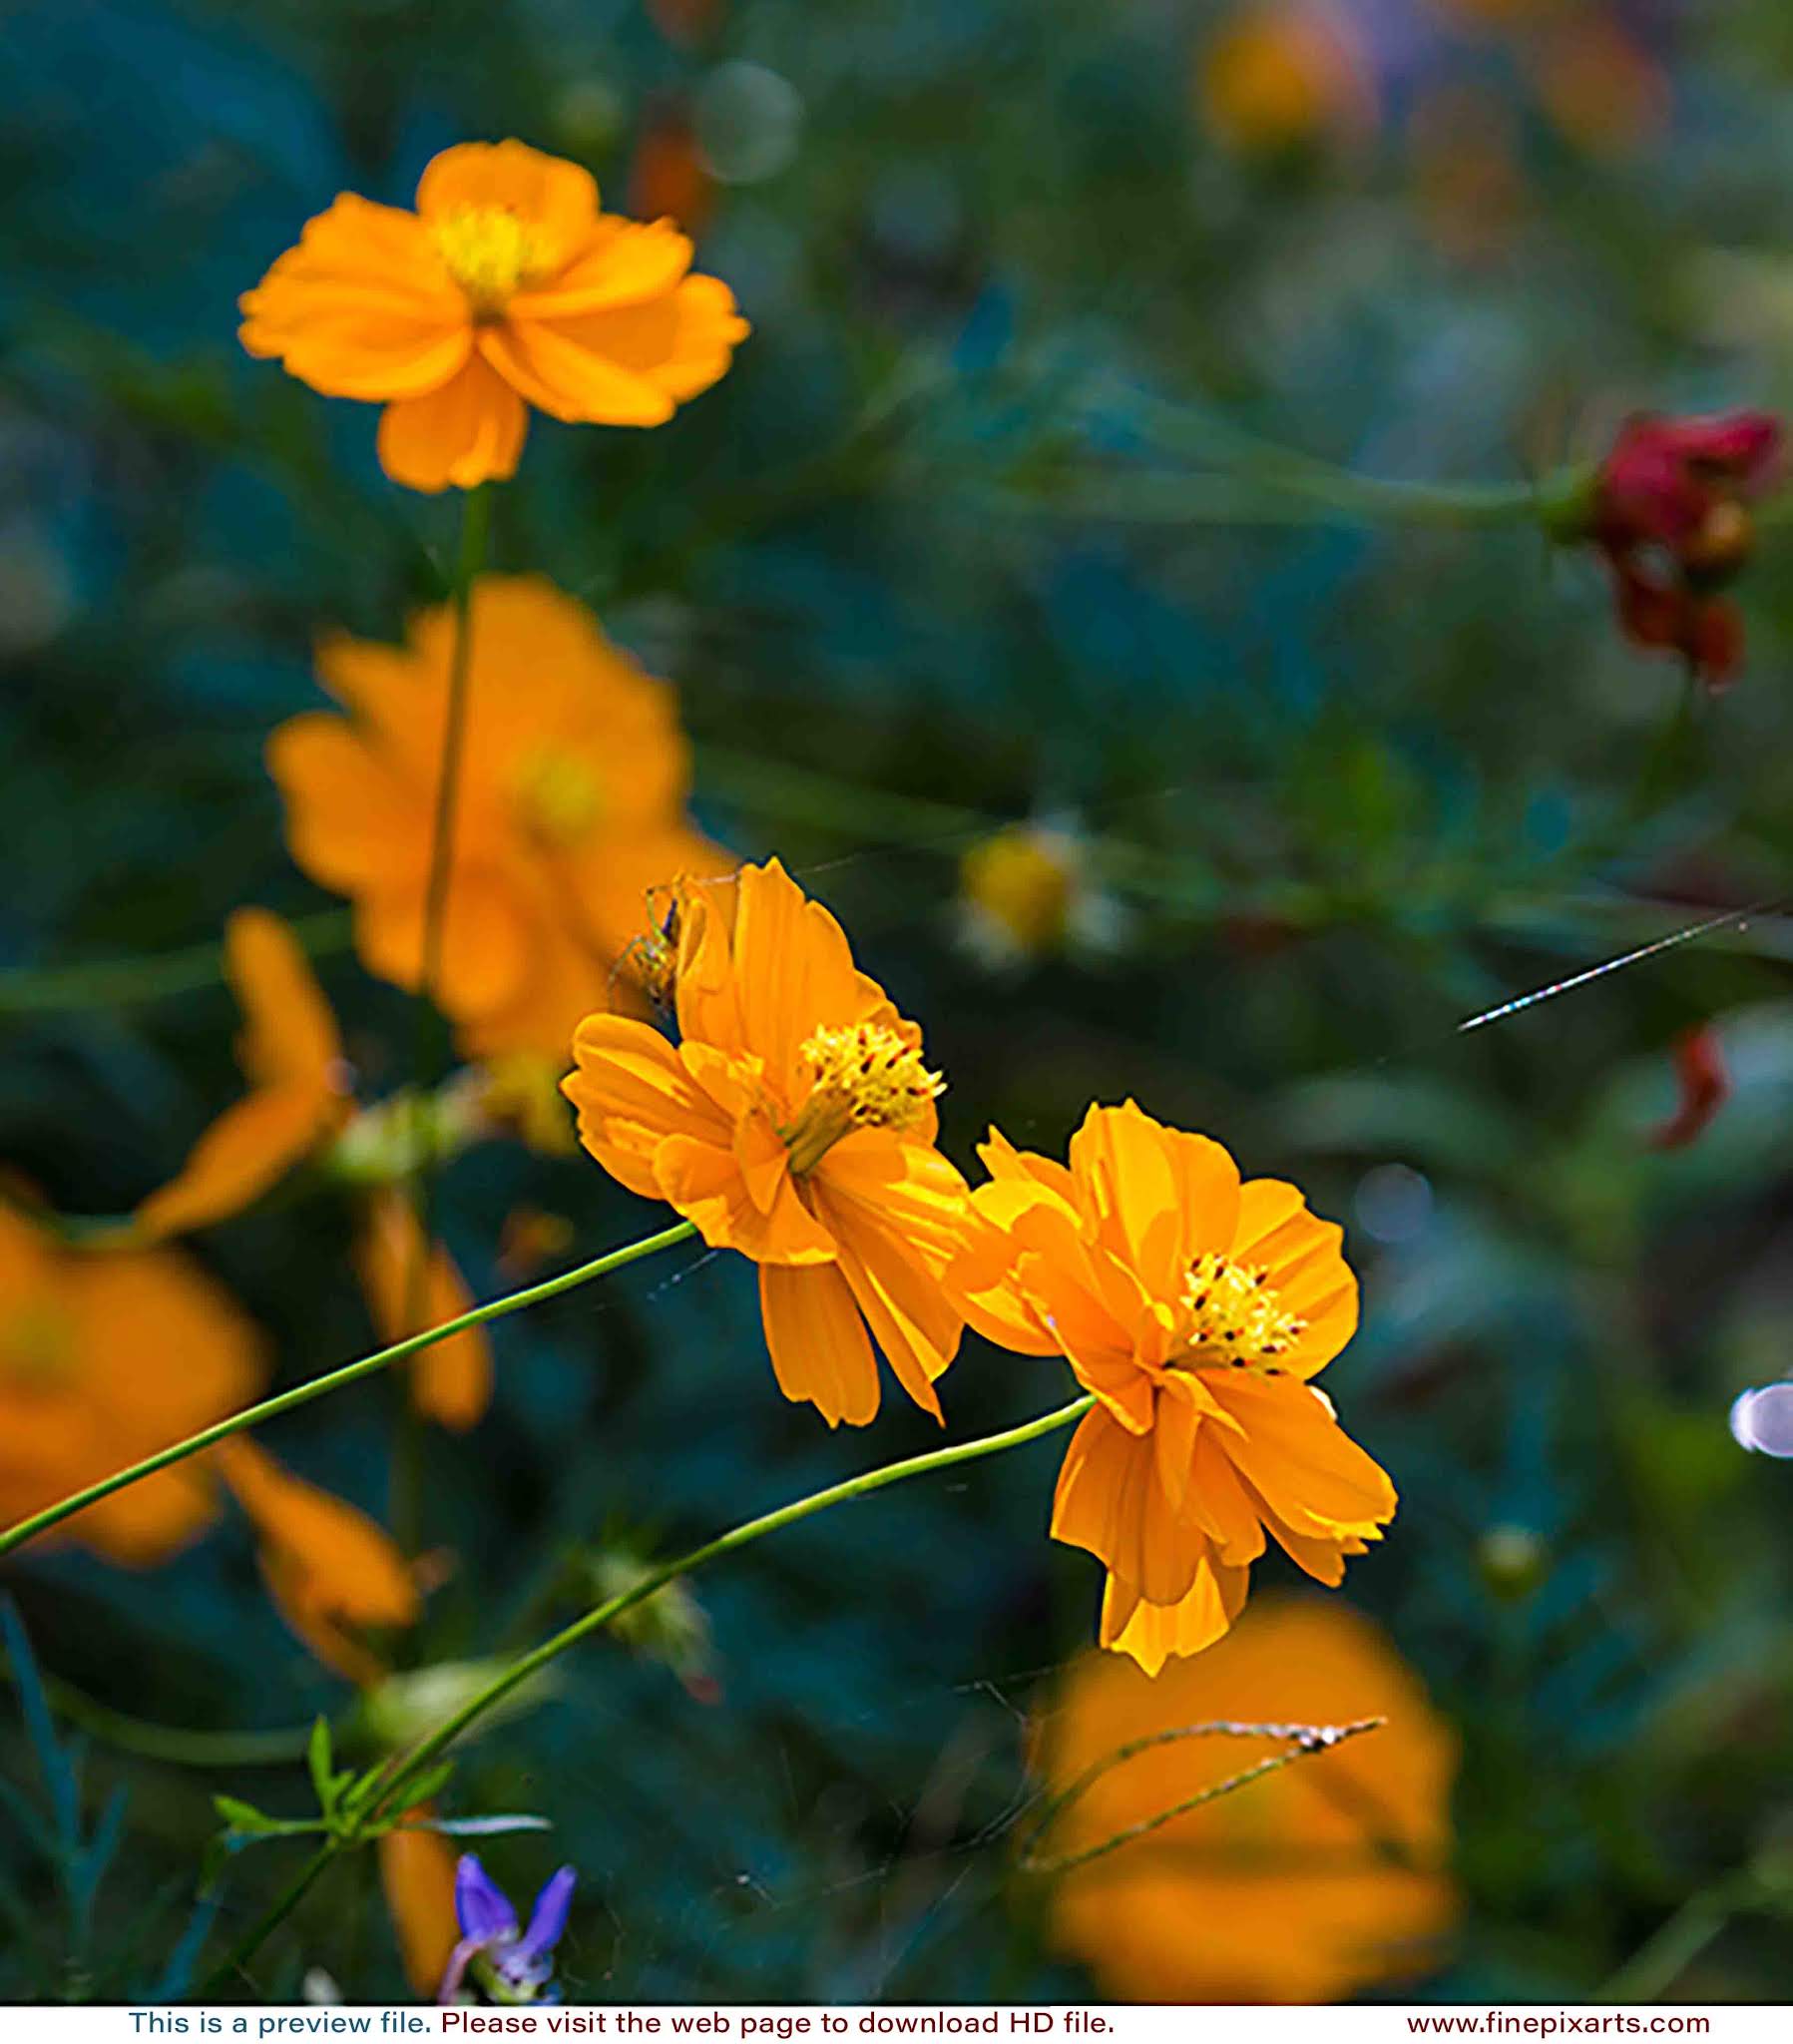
<point x="865" y="1077"/>
<point x="1234" y="1318"/>
<point x="490" y="253"/>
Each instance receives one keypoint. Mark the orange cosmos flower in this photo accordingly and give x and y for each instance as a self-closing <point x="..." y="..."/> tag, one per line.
<point x="506" y="288"/>
<point x="571" y="808"/>
<point x="794" y="1122"/>
<point x="330" y="1569"/>
<point x="299" y="1103"/>
<point x="1195" y="1309"/>
<point x="104" y="1358"/>
<point x="1344" y="1854"/>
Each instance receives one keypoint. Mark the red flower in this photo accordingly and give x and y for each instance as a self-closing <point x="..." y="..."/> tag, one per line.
<point x="1670" y="512"/>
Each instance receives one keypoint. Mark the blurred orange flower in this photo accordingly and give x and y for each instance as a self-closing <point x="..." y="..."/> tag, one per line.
<point x="330" y="1569"/>
<point x="418" y="1872"/>
<point x="300" y="1102"/>
<point x="104" y="1358"/>
<point x="506" y="288"/>
<point x="794" y="1122"/>
<point x="1344" y="1854"/>
<point x="572" y="808"/>
<point x="1195" y="1307"/>
<point x="1282" y="76"/>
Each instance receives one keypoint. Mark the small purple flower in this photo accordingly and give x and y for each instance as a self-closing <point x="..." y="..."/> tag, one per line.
<point x="511" y="1966"/>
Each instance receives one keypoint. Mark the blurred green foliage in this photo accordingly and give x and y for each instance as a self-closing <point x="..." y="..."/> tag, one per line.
<point x="947" y="549"/>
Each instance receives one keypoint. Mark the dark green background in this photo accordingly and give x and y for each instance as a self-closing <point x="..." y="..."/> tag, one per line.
<point x="1366" y="777"/>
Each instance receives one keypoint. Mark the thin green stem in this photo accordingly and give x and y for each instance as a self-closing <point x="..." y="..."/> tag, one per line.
<point x="743" y="1535"/>
<point x="123" y="982"/>
<point x="1674" y="1945"/>
<point x="406" y="1479"/>
<point x="225" y="1973"/>
<point x="334" y="1380"/>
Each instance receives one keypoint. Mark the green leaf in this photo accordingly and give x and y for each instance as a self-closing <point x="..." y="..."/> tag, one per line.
<point x="427" y="1785"/>
<point x="318" y="1758"/>
<point x="246" y="1817"/>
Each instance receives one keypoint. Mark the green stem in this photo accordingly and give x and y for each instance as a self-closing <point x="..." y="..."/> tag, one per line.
<point x="406" y="1479"/>
<point x="1674" y="1945"/>
<point x="349" y="1373"/>
<point x="120" y="982"/>
<point x="224" y="1973"/>
<point x="743" y="1535"/>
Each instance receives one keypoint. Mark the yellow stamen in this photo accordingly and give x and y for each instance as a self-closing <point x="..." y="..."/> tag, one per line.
<point x="490" y="253"/>
<point x="1234" y="1318"/>
<point x="865" y="1077"/>
<point x="560" y="797"/>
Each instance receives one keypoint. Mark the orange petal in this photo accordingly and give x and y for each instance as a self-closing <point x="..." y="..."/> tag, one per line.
<point x="627" y="262"/>
<point x="486" y="945"/>
<point x="1302" y="1261"/>
<point x="557" y="198"/>
<point x="350" y="821"/>
<point x="675" y="345"/>
<point x="818" y="1344"/>
<point x="1152" y="1190"/>
<point x="362" y="307"/>
<point x="1151" y="1633"/>
<point x="568" y="381"/>
<point x="450" y="1383"/>
<point x="1295" y="1454"/>
<point x="915" y="1323"/>
<point x="1109" y="1502"/>
<point x="250" y="1147"/>
<point x="470" y="431"/>
<point x="288" y="1030"/>
<point x="418" y="1872"/>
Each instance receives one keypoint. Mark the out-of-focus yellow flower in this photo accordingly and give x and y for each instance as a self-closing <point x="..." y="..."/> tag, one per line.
<point x="1195" y="1308"/>
<point x="1324" y="1879"/>
<point x="794" y="1122"/>
<point x="330" y="1569"/>
<point x="1281" y="74"/>
<point x="507" y="288"/>
<point x="1025" y="894"/>
<point x="106" y="1357"/>
<point x="291" y="1055"/>
<point x="571" y="810"/>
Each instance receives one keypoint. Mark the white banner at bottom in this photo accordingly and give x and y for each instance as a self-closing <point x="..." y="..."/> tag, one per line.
<point x="619" y="2023"/>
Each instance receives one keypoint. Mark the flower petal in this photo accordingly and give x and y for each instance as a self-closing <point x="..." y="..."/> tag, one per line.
<point x="548" y="1919"/>
<point x="1152" y="1633"/>
<point x="468" y="431"/>
<point x="480" y="1904"/>
<point x="821" y="1353"/>
<point x="362" y="307"/>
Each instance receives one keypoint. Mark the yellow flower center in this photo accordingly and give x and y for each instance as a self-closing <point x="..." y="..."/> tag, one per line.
<point x="1234" y="1318"/>
<point x="37" y="1346"/>
<point x="865" y="1077"/>
<point x="561" y="799"/>
<point x="490" y="253"/>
